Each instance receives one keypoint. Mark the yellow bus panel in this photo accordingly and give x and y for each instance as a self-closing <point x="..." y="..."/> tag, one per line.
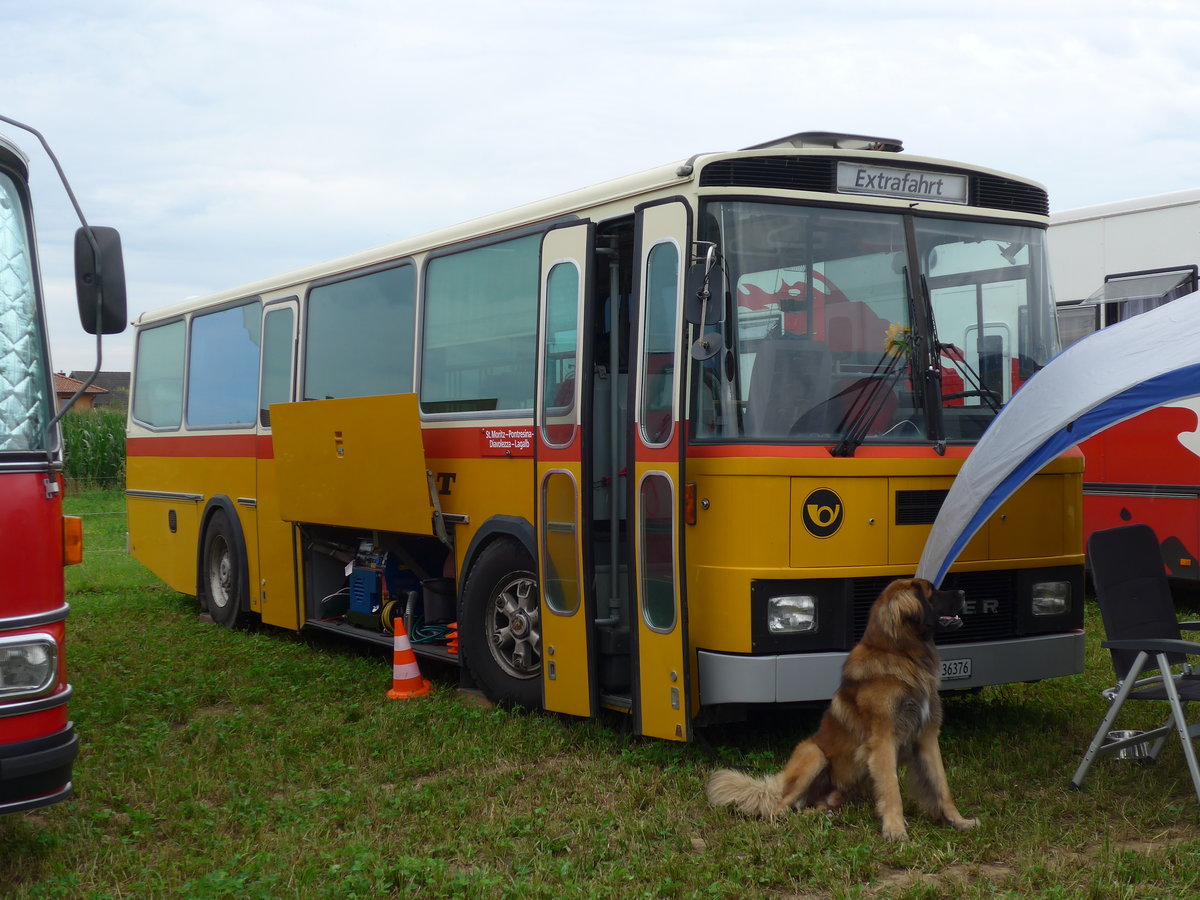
<point x="357" y="462"/>
<point x="838" y="522"/>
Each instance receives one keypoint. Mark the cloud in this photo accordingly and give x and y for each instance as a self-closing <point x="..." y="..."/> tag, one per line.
<point x="229" y="140"/>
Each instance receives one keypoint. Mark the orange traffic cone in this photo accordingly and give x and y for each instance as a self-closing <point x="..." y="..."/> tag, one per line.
<point x="407" y="682"/>
<point x="452" y="638"/>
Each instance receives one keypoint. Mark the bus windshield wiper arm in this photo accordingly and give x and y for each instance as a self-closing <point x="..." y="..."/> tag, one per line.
<point x="870" y="394"/>
<point x="973" y="380"/>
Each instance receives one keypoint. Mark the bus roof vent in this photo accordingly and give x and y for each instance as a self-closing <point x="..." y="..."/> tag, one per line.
<point x="832" y="140"/>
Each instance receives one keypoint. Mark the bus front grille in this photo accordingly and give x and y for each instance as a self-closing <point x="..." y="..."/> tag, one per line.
<point x="918" y="507"/>
<point x="991" y="612"/>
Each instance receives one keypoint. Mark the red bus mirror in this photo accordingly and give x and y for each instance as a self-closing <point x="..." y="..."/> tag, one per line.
<point x="100" y="280"/>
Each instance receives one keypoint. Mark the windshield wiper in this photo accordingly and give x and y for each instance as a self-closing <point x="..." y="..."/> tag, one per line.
<point x="972" y="379"/>
<point x="870" y="395"/>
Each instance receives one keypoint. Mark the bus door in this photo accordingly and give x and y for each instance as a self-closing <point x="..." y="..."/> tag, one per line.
<point x="274" y="596"/>
<point x="568" y="681"/>
<point x="661" y="684"/>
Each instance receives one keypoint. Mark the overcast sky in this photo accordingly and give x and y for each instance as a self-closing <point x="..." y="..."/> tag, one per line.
<point x="230" y="140"/>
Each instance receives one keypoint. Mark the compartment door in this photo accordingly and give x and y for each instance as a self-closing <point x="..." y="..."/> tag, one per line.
<point x="568" y="681"/>
<point x="662" y="698"/>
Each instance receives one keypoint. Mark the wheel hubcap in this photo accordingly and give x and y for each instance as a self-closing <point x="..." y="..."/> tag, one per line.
<point x="220" y="573"/>
<point x="514" y="627"/>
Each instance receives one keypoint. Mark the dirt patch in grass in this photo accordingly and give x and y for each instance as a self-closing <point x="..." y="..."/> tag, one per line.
<point x="959" y="875"/>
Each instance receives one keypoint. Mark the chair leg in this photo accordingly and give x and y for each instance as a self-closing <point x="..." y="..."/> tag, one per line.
<point x="1106" y="725"/>
<point x="1181" y="724"/>
<point x="1165" y="729"/>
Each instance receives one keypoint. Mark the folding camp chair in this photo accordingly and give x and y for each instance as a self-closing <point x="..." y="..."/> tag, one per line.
<point x="1143" y="635"/>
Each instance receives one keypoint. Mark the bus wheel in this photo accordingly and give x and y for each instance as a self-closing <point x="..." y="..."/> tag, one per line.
<point x="500" y="630"/>
<point x="222" y="573"/>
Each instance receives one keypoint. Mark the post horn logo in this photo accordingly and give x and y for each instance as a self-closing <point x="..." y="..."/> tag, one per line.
<point x="822" y="513"/>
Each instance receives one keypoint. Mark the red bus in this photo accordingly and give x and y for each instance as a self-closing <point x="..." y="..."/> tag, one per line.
<point x="1112" y="262"/>
<point x="38" y="744"/>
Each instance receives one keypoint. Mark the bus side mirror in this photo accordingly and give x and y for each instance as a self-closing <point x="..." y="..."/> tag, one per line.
<point x="703" y="298"/>
<point x="100" y="281"/>
<point x="704" y="301"/>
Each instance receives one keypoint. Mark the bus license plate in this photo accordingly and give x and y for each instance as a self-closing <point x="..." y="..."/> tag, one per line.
<point x="953" y="669"/>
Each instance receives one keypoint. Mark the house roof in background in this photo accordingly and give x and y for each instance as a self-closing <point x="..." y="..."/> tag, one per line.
<point x="66" y="386"/>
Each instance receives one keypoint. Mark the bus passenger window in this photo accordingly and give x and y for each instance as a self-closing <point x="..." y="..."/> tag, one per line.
<point x="360" y="335"/>
<point x="223" y="367"/>
<point x="276" y="361"/>
<point x="660" y="336"/>
<point x="656" y="525"/>
<point x="560" y="343"/>
<point x="1076" y="322"/>
<point x="559" y="543"/>
<point x="158" y="386"/>
<point x="478" y="347"/>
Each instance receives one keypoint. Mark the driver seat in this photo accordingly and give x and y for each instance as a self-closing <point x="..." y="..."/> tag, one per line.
<point x="791" y="376"/>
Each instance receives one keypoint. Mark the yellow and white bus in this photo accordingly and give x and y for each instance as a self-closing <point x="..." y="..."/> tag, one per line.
<point x="654" y="446"/>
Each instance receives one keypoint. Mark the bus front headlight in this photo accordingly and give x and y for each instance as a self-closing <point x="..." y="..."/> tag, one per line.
<point x="28" y="665"/>
<point x="792" y="614"/>
<point x="1050" y="598"/>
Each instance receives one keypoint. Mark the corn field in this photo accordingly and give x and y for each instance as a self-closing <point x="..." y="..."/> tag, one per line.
<point x="94" y="448"/>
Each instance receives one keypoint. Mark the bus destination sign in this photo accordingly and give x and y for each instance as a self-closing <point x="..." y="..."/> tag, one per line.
<point x="506" y="441"/>
<point x="881" y="181"/>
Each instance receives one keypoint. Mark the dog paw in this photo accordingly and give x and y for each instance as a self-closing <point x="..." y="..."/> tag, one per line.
<point x="963" y="824"/>
<point x="895" y="833"/>
<point x="778" y="811"/>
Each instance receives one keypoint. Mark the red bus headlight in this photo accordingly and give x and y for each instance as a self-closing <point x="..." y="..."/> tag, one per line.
<point x="28" y="666"/>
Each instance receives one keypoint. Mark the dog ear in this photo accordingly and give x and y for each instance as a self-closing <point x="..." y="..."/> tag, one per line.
<point x="883" y="612"/>
<point x="917" y="607"/>
<point x="897" y="604"/>
<point x="909" y="607"/>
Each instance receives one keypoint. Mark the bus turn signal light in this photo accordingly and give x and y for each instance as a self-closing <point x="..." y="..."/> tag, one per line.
<point x="72" y="540"/>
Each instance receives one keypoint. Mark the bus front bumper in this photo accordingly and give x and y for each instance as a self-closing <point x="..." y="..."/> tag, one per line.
<point x="808" y="677"/>
<point x="37" y="772"/>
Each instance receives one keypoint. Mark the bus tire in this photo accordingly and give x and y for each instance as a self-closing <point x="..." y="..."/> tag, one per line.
<point x="223" y="572"/>
<point x="500" y="625"/>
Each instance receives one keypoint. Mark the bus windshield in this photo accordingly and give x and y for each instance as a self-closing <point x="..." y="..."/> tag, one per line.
<point x="24" y="391"/>
<point x="988" y="290"/>
<point x="832" y="311"/>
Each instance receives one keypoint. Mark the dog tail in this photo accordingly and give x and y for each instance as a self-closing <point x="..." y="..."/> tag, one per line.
<point x="753" y="796"/>
<point x="772" y="794"/>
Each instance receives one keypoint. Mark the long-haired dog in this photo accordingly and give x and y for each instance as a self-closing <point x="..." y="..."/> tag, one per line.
<point x="885" y="713"/>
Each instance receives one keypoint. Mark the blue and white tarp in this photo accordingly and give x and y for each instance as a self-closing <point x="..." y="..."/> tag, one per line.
<point x="1108" y="377"/>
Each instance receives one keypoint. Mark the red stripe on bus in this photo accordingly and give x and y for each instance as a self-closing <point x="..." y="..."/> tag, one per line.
<point x="559" y="454"/>
<point x="461" y="443"/>
<point x="440" y="443"/>
<point x="464" y="443"/>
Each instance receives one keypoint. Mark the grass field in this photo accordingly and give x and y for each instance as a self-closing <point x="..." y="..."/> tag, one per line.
<point x="269" y="764"/>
